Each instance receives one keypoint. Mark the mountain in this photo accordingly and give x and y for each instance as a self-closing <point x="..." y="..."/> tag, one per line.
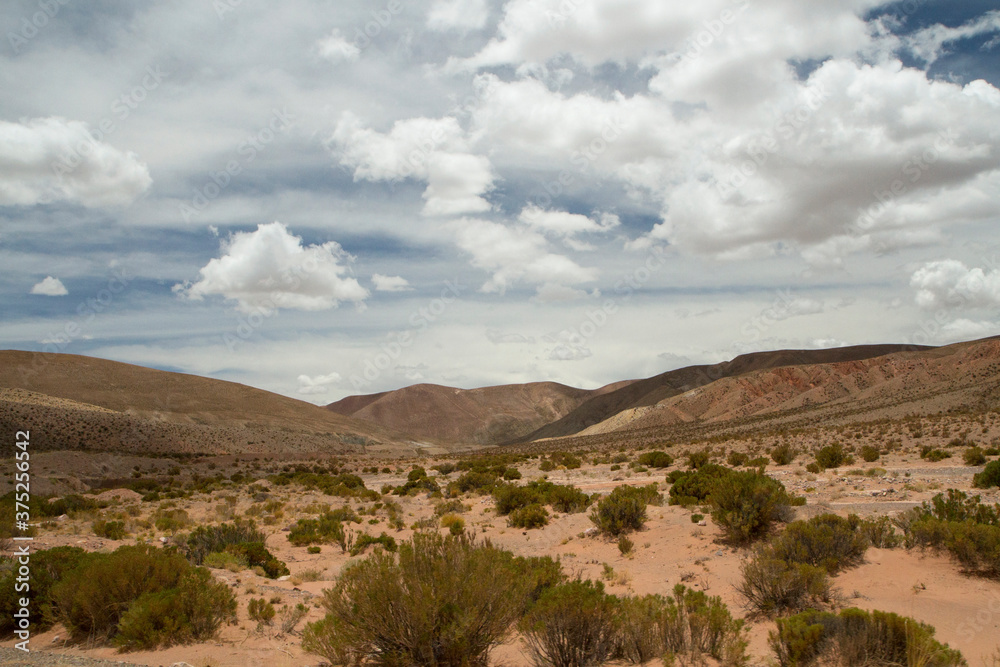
<point x="523" y="412"/>
<point x="76" y="402"/>
<point x="487" y="416"/>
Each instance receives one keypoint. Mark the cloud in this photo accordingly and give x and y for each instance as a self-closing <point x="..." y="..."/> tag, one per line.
<point x="336" y="48"/>
<point x="928" y="44"/>
<point x="316" y="385"/>
<point x="497" y="337"/>
<point x="50" y="287"/>
<point x="514" y="254"/>
<point x="461" y="15"/>
<point x="271" y="268"/>
<point x="562" y="223"/>
<point x="432" y="150"/>
<point x="50" y="159"/>
<point x="949" y="284"/>
<point x="390" y="283"/>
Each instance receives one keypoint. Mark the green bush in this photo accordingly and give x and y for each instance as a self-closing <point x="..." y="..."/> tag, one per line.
<point x="529" y="516"/>
<point x="454" y="523"/>
<point x="225" y="561"/>
<point x="479" y="482"/>
<point x="783" y="454"/>
<point x="736" y="459"/>
<point x="880" y="533"/>
<point x="974" y="456"/>
<point x="325" y="529"/>
<point x="697" y="459"/>
<point x="46" y="569"/>
<point x="746" y="504"/>
<point x="112" y="530"/>
<point x="365" y="540"/>
<point x="694" y="488"/>
<point x="869" y="454"/>
<point x="256" y="555"/>
<point x="625" y="545"/>
<point x="858" y="637"/>
<point x="444" y="600"/>
<point x="546" y="466"/>
<point x="826" y="541"/>
<point x="967" y="528"/>
<point x="771" y="586"/>
<point x="572" y="625"/>
<point x="563" y="498"/>
<point x="831" y="456"/>
<point x="813" y="468"/>
<point x="655" y="459"/>
<point x="314" y="550"/>
<point x="934" y="455"/>
<point x="260" y="610"/>
<point x="140" y="597"/>
<point x="624" y="509"/>
<point x="171" y="521"/>
<point x="989" y="477"/>
<point x="511" y="474"/>
<point x="689" y="625"/>
<point x="208" y="539"/>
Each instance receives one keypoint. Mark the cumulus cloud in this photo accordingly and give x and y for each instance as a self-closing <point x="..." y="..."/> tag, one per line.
<point x="498" y="337"/>
<point x="514" y="254"/>
<point x="461" y="15"/>
<point x="336" y="48"/>
<point x="929" y="43"/>
<point x="270" y="268"/>
<point x="50" y="287"/>
<point x="50" y="159"/>
<point x="434" y="150"/>
<point x="390" y="283"/>
<point x="950" y="284"/>
<point x="317" y="385"/>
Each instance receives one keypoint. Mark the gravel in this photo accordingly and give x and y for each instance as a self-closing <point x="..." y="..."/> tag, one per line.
<point x="11" y="657"/>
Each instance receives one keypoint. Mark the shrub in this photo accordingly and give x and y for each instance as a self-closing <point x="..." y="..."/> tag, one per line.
<point x="563" y="498"/>
<point x="625" y="545"/>
<point x="974" y="456"/>
<point x="694" y="488"/>
<point x="880" y="533"/>
<point x="858" y="637"/>
<point x="831" y="456"/>
<point x="444" y="600"/>
<point x="260" y="610"/>
<point x="455" y="524"/>
<point x="826" y="541"/>
<point x="813" y="468"/>
<point x="314" y="550"/>
<point x="454" y="506"/>
<point x="736" y="459"/>
<point x="170" y="521"/>
<point x="745" y="504"/>
<point x="208" y="539"/>
<point x="387" y="542"/>
<point x="968" y="529"/>
<point x="480" y="482"/>
<point x="47" y="568"/>
<point x="444" y="468"/>
<point x="256" y="555"/>
<point x="697" y="459"/>
<point x="511" y="474"/>
<point x="225" y="561"/>
<point x="290" y="616"/>
<point x="112" y="530"/>
<point x="869" y="454"/>
<point x="771" y="586"/>
<point x="141" y="597"/>
<point x="547" y="466"/>
<point x="529" y="516"/>
<point x="989" y="477"/>
<point x="655" y="459"/>
<point x="325" y="529"/>
<point x="571" y="625"/>
<point x="934" y="455"/>
<point x="624" y="509"/>
<point x="783" y="454"/>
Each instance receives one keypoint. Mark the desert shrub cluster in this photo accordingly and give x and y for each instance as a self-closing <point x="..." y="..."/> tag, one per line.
<point x="965" y="527"/>
<point x="242" y="541"/>
<point x="136" y="597"/>
<point x="655" y="459"/>
<point x="525" y="505"/>
<point x="858" y="637"/>
<point x="624" y="509"/>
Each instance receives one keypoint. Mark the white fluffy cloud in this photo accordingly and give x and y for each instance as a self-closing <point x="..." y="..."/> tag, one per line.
<point x="928" y="44"/>
<point x="461" y="15"/>
<point x="390" y="283"/>
<point x="514" y="254"/>
<point x="50" y="287"/>
<point x="270" y="268"/>
<point x="336" y="48"/>
<point x="317" y="385"/>
<point x="50" y="159"/>
<point x="432" y="150"/>
<point x="950" y="284"/>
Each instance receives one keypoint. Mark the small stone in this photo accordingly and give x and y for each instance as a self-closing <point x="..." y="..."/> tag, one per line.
<point x="702" y="523"/>
<point x="284" y="578"/>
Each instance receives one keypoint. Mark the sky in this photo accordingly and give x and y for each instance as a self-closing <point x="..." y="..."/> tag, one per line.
<point x="326" y="198"/>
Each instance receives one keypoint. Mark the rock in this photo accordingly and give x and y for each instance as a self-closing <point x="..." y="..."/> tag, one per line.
<point x="182" y="664"/>
<point x="163" y="540"/>
<point x="720" y="553"/>
<point x="284" y="578"/>
<point x="702" y="523"/>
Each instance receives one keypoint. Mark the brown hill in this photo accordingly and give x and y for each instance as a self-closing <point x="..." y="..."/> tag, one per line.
<point x="486" y="416"/>
<point x="77" y="402"/>
<point x="642" y="393"/>
<point x="964" y="376"/>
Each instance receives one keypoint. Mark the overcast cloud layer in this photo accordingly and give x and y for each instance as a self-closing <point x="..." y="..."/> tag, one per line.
<point x="323" y="199"/>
